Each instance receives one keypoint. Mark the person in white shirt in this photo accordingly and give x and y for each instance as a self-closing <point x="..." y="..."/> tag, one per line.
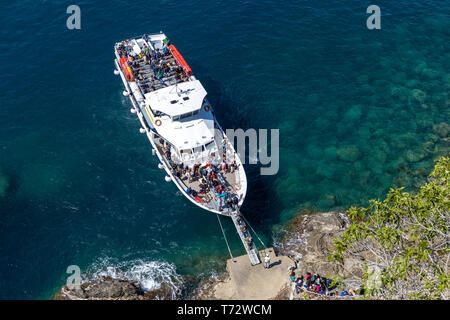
<point x="267" y="261"/>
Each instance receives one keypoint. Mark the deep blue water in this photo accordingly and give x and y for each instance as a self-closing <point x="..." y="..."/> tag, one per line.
<point x="359" y="111"/>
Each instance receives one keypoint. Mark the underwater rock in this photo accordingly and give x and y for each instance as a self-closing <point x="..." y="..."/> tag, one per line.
<point x="366" y="89"/>
<point x="442" y="129"/>
<point x="420" y="67"/>
<point x="428" y="146"/>
<point x="430" y="73"/>
<point x="399" y="92"/>
<point x="412" y="83"/>
<point x="415" y="156"/>
<point x="445" y="141"/>
<point x="419" y="95"/>
<point x="330" y="153"/>
<point x="379" y="156"/>
<point x="322" y="123"/>
<point x="4" y="184"/>
<point x="362" y="79"/>
<point x="446" y="78"/>
<point x="289" y="181"/>
<point x="441" y="149"/>
<point x="328" y="201"/>
<point x="364" y="133"/>
<point x="399" y="77"/>
<point x="348" y="153"/>
<point x="326" y="169"/>
<point x="354" y="113"/>
<point x="431" y="137"/>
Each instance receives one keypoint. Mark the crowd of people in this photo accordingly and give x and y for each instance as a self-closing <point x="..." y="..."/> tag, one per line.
<point x="243" y="227"/>
<point x="314" y="283"/>
<point x="159" y="61"/>
<point x="209" y="176"/>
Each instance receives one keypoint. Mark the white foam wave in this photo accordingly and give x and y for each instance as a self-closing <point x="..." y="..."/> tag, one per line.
<point x="150" y="274"/>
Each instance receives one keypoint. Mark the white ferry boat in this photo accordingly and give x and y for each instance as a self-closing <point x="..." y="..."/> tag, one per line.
<point x="180" y="123"/>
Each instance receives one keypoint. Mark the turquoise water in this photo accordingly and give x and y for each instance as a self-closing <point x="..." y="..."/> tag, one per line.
<point x="358" y="111"/>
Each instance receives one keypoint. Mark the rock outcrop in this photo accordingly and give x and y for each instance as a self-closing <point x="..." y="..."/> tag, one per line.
<point x="109" y="288"/>
<point x="308" y="240"/>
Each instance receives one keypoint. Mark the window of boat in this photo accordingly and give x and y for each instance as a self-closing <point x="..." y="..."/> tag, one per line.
<point x="175" y="118"/>
<point x="198" y="149"/>
<point x="186" y="151"/>
<point x="185" y="115"/>
<point x="209" y="145"/>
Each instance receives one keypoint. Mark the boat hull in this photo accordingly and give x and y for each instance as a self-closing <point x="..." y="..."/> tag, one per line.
<point x="149" y="128"/>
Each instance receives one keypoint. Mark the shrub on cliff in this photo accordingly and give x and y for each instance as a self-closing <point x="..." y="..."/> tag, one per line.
<point x="407" y="240"/>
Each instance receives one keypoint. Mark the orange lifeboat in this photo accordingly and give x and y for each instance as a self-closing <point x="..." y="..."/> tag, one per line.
<point x="126" y="69"/>
<point x="180" y="60"/>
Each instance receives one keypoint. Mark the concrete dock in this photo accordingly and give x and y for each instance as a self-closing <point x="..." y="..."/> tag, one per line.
<point x="249" y="282"/>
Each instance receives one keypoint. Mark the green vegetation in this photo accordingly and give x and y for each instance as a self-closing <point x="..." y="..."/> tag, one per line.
<point x="404" y="241"/>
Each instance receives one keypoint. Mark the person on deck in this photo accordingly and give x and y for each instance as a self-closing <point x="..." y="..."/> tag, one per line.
<point x="145" y="50"/>
<point x="244" y="231"/>
<point x="235" y="202"/>
<point x="267" y="261"/>
<point x="233" y="166"/>
<point x="250" y="243"/>
<point x="292" y="276"/>
<point x="189" y="175"/>
<point x="229" y="203"/>
<point x="298" y="284"/>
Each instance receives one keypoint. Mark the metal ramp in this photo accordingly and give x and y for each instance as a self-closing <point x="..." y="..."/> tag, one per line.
<point x="252" y="252"/>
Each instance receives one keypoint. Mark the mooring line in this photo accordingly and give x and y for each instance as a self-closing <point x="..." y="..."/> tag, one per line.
<point x="225" y="237"/>
<point x="246" y="221"/>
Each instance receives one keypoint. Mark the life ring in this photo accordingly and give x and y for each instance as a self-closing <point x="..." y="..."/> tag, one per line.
<point x="207" y="107"/>
<point x="158" y="122"/>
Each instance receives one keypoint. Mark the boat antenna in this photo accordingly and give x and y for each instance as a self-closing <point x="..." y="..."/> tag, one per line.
<point x="176" y="89"/>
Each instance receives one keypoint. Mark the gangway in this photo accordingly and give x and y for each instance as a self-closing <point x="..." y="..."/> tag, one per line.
<point x="239" y="223"/>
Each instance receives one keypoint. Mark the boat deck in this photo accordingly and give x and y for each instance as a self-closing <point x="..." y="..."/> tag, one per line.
<point x="152" y="63"/>
<point x="209" y="197"/>
<point x="153" y="70"/>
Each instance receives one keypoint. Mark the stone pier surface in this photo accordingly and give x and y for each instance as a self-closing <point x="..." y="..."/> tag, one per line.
<point x="249" y="282"/>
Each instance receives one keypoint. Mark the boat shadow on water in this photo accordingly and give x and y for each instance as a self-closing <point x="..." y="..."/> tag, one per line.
<point x="261" y="202"/>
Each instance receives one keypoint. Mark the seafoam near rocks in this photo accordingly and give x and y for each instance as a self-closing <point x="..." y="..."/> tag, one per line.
<point x="131" y="280"/>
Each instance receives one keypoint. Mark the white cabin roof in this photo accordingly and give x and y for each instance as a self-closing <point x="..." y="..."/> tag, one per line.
<point x="177" y="99"/>
<point x="188" y="133"/>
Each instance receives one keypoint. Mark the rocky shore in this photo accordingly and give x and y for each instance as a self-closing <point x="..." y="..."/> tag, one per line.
<point x="108" y="288"/>
<point x="308" y="239"/>
<point x="304" y="243"/>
